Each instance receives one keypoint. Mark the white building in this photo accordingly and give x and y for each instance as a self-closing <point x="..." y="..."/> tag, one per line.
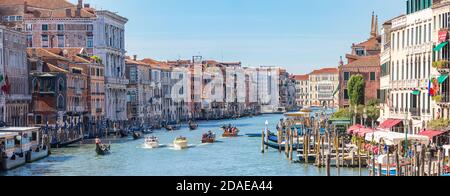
<point x="411" y="46"/>
<point x="109" y="39"/>
<point x="323" y="85"/>
<point x="302" y="89"/>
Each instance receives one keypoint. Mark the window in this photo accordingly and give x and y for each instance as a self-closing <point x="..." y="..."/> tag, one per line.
<point x="372" y="76"/>
<point x="45" y="27"/>
<point x="60" y="102"/>
<point x="90" y="27"/>
<point x="29" y="41"/>
<point x="346" y="76"/>
<point x="60" y="27"/>
<point x="346" y="94"/>
<point x="44" y="42"/>
<point x="29" y="27"/>
<point x="19" y="18"/>
<point x="38" y="120"/>
<point x="61" y="41"/>
<point x="90" y="41"/>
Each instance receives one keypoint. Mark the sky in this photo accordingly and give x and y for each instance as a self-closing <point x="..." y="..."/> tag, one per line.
<point x="300" y="35"/>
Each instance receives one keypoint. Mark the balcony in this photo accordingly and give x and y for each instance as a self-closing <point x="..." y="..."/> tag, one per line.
<point x="115" y="80"/>
<point x="415" y="112"/>
<point x="409" y="84"/>
<point x="442" y="66"/>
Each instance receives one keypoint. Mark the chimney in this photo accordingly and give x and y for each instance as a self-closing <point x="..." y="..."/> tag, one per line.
<point x="87" y="5"/>
<point x="135" y="57"/>
<point x="68" y="13"/>
<point x="79" y="7"/>
<point x="25" y="7"/>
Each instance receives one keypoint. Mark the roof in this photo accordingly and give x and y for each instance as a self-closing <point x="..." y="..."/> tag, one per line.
<point x="370" y="44"/>
<point x="156" y="64"/>
<point x="49" y="8"/>
<point x="7" y="134"/>
<point x="129" y="61"/>
<point x="54" y="68"/>
<point x="18" y="129"/>
<point x="325" y="71"/>
<point x="364" y="60"/>
<point x="301" y="77"/>
<point x="47" y="4"/>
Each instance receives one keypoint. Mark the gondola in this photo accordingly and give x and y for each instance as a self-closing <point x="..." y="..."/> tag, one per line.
<point x="275" y="146"/>
<point x="123" y="133"/>
<point x="193" y="126"/>
<point x="172" y="127"/>
<point x="137" y="135"/>
<point x="102" y="149"/>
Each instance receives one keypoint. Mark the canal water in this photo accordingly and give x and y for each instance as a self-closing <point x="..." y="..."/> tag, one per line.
<point x="229" y="156"/>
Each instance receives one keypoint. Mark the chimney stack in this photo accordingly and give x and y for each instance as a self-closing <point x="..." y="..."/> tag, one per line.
<point x="135" y="57"/>
<point x="87" y="5"/>
<point x="25" y="7"/>
<point x="79" y="7"/>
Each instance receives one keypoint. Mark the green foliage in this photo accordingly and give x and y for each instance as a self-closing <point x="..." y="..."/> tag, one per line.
<point x="356" y="86"/>
<point x="440" y="64"/>
<point x="439" y="124"/>
<point x="343" y="113"/>
<point x="97" y="59"/>
<point x="437" y="98"/>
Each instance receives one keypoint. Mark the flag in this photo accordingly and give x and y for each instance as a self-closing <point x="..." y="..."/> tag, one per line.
<point x="6" y="88"/>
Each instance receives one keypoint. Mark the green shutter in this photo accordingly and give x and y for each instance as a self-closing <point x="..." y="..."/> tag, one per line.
<point x="442" y="78"/>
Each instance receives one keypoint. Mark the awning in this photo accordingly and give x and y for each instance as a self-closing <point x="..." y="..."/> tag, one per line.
<point x="431" y="134"/>
<point x="353" y="128"/>
<point x="390" y="123"/>
<point x="440" y="46"/>
<point x="363" y="131"/>
<point x="393" y="138"/>
<point x="416" y="92"/>
<point x="442" y="78"/>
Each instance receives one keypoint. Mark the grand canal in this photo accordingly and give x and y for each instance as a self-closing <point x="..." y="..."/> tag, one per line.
<point x="229" y="156"/>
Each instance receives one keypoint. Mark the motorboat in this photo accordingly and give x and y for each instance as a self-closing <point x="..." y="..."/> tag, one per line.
<point x="180" y="143"/>
<point x="151" y="142"/>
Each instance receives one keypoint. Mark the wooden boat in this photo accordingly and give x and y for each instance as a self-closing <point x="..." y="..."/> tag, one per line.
<point x="151" y="142"/>
<point x="102" y="149"/>
<point x="180" y="143"/>
<point x="209" y="138"/>
<point x="193" y="126"/>
<point x="31" y="142"/>
<point x="172" y="127"/>
<point x="275" y="146"/>
<point x="137" y="135"/>
<point x="228" y="133"/>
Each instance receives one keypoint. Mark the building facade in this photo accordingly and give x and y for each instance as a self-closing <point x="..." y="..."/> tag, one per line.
<point x="410" y="69"/>
<point x="15" y="96"/>
<point x="302" y="89"/>
<point x="363" y="60"/>
<point x="323" y="85"/>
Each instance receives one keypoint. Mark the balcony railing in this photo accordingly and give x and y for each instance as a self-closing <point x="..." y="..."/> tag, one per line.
<point x="114" y="80"/>
<point x="415" y="111"/>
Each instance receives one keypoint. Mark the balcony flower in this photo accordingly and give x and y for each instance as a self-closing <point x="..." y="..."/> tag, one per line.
<point x="442" y="64"/>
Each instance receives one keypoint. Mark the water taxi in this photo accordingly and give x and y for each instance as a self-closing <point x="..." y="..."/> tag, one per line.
<point x="10" y="153"/>
<point x="180" y="143"/>
<point x="30" y="141"/>
<point x="151" y="142"/>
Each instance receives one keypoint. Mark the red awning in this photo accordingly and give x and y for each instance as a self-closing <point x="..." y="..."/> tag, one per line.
<point x="431" y="134"/>
<point x="390" y="123"/>
<point x="363" y="131"/>
<point x="353" y="128"/>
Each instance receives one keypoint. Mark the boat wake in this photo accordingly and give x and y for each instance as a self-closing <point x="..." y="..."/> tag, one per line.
<point x="143" y="146"/>
<point x="172" y="147"/>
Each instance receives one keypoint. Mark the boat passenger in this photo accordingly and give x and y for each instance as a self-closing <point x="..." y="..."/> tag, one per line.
<point x="97" y="140"/>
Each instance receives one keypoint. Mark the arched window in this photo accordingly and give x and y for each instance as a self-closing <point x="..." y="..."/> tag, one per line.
<point x="35" y="84"/>
<point x="60" y="102"/>
<point x="61" y="84"/>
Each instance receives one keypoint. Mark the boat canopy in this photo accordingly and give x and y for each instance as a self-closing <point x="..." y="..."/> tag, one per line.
<point x="394" y="138"/>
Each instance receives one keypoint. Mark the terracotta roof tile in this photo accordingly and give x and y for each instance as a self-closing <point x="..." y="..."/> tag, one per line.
<point x="301" y="77"/>
<point x="325" y="71"/>
<point x="365" y="61"/>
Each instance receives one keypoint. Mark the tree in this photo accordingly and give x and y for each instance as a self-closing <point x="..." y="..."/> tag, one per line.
<point x="356" y="86"/>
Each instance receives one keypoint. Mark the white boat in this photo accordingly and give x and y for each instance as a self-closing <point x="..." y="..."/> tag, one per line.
<point x="11" y="155"/>
<point x="31" y="141"/>
<point x="180" y="143"/>
<point x="151" y="142"/>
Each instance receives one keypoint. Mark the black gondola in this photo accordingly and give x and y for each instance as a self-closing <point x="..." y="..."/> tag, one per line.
<point x="123" y="133"/>
<point x="137" y="135"/>
<point x="193" y="126"/>
<point x="172" y="127"/>
<point x="102" y="149"/>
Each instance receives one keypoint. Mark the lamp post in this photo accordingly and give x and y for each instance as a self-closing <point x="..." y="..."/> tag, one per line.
<point x="365" y="116"/>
